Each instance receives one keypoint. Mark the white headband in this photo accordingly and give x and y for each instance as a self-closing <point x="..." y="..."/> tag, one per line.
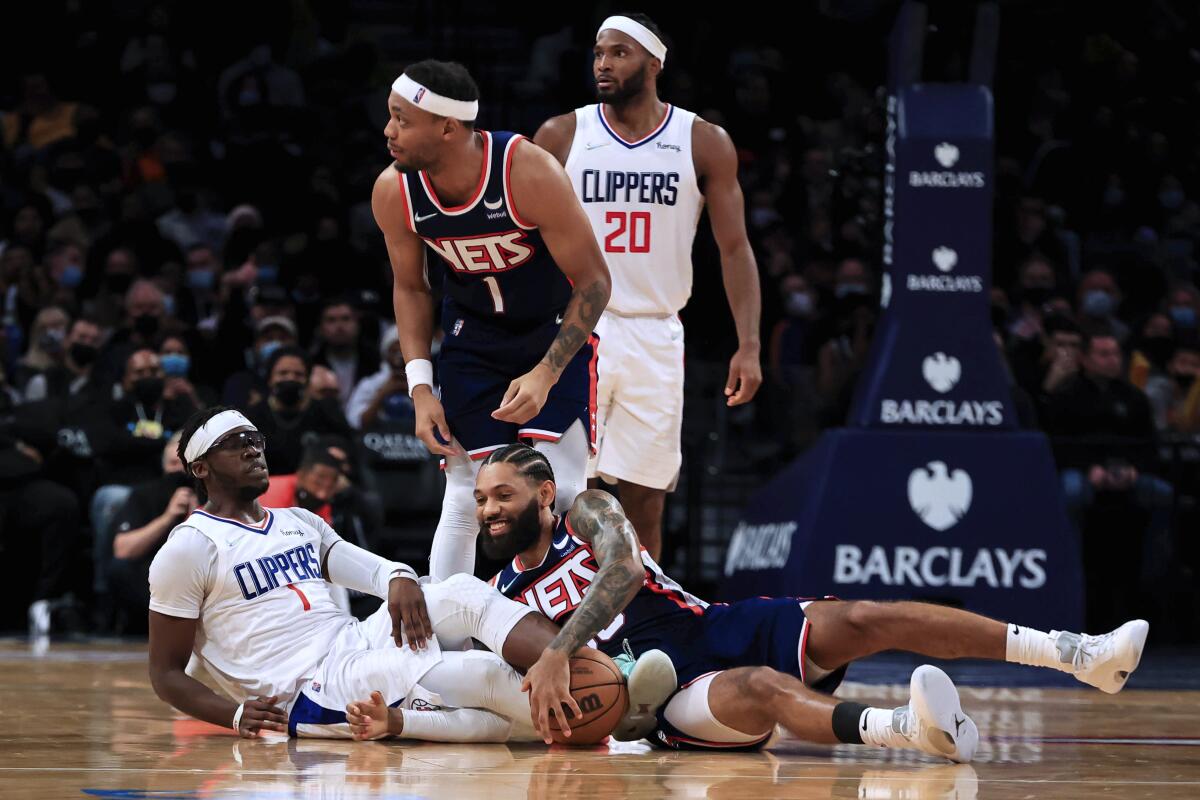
<point x="419" y="96"/>
<point x="208" y="433"/>
<point x="640" y="33"/>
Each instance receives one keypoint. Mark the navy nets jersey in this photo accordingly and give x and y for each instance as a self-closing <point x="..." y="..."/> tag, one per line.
<point x="661" y="610"/>
<point x="498" y="268"/>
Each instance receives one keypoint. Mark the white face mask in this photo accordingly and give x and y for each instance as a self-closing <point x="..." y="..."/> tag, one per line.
<point x="798" y="304"/>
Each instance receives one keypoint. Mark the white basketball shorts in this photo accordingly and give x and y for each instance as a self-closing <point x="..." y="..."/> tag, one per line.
<point x="639" y="403"/>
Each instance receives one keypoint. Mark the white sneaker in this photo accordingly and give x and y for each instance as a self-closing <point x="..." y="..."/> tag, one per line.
<point x="39" y="618"/>
<point x="650" y="680"/>
<point x="1106" y="661"/>
<point x="933" y="721"/>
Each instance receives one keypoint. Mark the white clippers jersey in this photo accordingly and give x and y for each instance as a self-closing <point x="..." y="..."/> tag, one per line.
<point x="643" y="202"/>
<point x="266" y="616"/>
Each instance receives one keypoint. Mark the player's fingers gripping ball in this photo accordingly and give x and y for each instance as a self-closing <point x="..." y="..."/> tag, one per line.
<point x="599" y="691"/>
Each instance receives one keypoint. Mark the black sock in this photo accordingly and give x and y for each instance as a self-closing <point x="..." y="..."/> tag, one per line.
<point x="845" y="722"/>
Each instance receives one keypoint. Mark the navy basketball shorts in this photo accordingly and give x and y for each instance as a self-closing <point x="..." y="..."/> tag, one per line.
<point x="477" y="363"/>
<point x="758" y="632"/>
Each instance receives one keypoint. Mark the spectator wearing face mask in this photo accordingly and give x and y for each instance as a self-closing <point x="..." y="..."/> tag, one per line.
<point x="383" y="398"/>
<point x="146" y="320"/>
<point x="176" y="359"/>
<point x="1097" y="304"/>
<point x="1183" y="306"/>
<point x="74" y="376"/>
<point x="128" y="441"/>
<point x="248" y="386"/>
<point x="1183" y="403"/>
<point x="196" y="302"/>
<point x="311" y="487"/>
<point x="47" y="346"/>
<point x="289" y="417"/>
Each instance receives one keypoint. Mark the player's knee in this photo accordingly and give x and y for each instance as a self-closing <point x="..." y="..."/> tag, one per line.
<point x="466" y="589"/>
<point x="763" y="686"/>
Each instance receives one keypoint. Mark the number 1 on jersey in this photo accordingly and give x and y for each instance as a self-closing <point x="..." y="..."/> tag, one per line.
<point x="497" y="298"/>
<point x="636" y="224"/>
<point x="303" y="600"/>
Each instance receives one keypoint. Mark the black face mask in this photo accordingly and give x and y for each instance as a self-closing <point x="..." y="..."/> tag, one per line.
<point x="146" y="325"/>
<point x="1185" y="381"/>
<point x="307" y="500"/>
<point x="288" y="393"/>
<point x="148" y="391"/>
<point x="83" y="354"/>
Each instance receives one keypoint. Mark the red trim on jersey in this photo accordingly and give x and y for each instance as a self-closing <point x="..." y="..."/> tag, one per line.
<point x="408" y="212"/>
<point x="508" y="198"/>
<point x="657" y="128"/>
<point x="593" y="390"/>
<point x="541" y="437"/>
<point x="671" y="594"/>
<point x="803" y="647"/>
<point x="478" y="193"/>
<point x="719" y="745"/>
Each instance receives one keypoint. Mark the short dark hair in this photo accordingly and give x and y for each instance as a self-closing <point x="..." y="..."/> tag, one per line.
<point x="194" y="423"/>
<point x="317" y="454"/>
<point x="530" y="463"/>
<point x="1060" y="323"/>
<point x="285" y="352"/>
<point x="447" y="78"/>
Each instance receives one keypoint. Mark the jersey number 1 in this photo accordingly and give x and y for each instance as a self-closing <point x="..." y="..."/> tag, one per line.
<point x="497" y="298"/>
<point x="634" y="226"/>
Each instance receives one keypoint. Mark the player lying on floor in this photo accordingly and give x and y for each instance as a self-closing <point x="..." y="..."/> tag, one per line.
<point x="748" y="666"/>
<point x="247" y="590"/>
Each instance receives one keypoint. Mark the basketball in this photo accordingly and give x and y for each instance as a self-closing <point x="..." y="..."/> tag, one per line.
<point x="599" y="690"/>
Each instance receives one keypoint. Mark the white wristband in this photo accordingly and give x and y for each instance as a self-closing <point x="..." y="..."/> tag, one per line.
<point x="237" y="719"/>
<point x="420" y="373"/>
<point x="402" y="571"/>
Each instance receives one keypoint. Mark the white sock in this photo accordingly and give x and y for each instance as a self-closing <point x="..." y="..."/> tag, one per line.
<point x="1035" y="648"/>
<point x="453" y="549"/>
<point x="875" y="727"/>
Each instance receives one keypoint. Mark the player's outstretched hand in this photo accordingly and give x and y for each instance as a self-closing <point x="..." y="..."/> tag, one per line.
<point x="368" y="718"/>
<point x="745" y="376"/>
<point x="525" y="396"/>
<point x="549" y="685"/>
<point x="431" y="423"/>
<point x="406" y="605"/>
<point x="261" y="714"/>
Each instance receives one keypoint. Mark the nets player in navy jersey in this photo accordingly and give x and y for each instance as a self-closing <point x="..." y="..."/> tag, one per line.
<point x="525" y="284"/>
<point x="749" y="666"/>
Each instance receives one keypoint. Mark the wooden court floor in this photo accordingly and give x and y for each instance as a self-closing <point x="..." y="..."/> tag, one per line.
<point x="81" y="721"/>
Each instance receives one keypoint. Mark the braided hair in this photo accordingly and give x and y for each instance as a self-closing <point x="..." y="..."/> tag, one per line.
<point x="530" y="463"/>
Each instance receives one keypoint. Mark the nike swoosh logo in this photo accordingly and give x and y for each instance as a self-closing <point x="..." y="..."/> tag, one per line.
<point x="561" y="543"/>
<point x="958" y="724"/>
<point x="864" y="723"/>
<point x="1016" y="631"/>
<point x="506" y="586"/>
<point x="427" y="216"/>
<point x="558" y="320"/>
<point x="492" y="206"/>
<point x="591" y="146"/>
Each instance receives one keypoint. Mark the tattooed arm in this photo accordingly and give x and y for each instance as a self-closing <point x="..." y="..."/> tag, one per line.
<point x="543" y="196"/>
<point x="596" y="518"/>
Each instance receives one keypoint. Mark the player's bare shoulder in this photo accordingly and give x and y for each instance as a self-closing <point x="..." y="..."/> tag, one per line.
<point x="556" y="136"/>
<point x="712" y="146"/>
<point x="388" y="202"/>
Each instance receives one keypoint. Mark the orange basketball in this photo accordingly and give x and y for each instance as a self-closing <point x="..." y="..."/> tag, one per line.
<point x="599" y="690"/>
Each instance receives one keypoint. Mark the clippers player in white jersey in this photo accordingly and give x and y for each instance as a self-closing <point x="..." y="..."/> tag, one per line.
<point x="246" y="589"/>
<point x="643" y="170"/>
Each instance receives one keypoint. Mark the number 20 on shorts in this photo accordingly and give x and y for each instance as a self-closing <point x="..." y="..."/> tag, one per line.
<point x="631" y="234"/>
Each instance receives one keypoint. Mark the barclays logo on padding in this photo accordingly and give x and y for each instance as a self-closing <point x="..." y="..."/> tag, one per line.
<point x="946" y="155"/>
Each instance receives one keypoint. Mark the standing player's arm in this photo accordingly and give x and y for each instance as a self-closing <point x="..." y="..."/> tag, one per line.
<point x="598" y="519"/>
<point x="171" y="641"/>
<point x="556" y="136"/>
<point x="543" y="193"/>
<point x="716" y="166"/>
<point x="412" y="301"/>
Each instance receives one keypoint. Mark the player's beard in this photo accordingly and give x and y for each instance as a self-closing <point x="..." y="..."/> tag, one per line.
<point x="625" y="90"/>
<point x="522" y="533"/>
